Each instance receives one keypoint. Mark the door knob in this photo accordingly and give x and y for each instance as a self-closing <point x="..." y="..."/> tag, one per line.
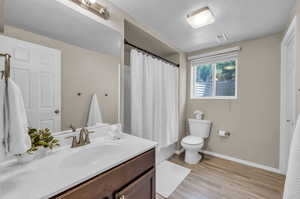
<point x="57" y="111"/>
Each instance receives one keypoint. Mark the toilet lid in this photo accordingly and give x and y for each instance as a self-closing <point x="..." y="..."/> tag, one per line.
<point x="192" y="140"/>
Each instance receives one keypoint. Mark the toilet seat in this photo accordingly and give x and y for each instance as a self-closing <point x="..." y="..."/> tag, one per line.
<point x="192" y="140"/>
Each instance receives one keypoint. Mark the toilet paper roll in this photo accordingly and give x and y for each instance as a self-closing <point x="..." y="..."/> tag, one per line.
<point x="223" y="133"/>
<point x="198" y="115"/>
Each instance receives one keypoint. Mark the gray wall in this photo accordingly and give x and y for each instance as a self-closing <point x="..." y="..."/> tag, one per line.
<point x="83" y="71"/>
<point x="252" y="119"/>
<point x="2" y="16"/>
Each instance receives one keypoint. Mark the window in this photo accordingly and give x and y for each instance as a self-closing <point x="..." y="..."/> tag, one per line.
<point x="215" y="79"/>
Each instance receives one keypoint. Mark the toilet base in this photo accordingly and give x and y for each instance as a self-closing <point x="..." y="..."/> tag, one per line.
<point x="192" y="157"/>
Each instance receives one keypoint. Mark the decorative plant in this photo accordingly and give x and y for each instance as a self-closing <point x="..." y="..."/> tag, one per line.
<point x="41" y="138"/>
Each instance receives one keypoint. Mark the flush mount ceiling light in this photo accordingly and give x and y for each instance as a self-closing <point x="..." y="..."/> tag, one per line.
<point x="200" y="18"/>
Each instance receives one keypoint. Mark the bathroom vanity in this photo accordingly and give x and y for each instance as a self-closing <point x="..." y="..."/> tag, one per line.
<point x="104" y="169"/>
<point x="134" y="179"/>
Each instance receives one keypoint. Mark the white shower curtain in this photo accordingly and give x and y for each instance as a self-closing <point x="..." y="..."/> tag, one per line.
<point x="154" y="99"/>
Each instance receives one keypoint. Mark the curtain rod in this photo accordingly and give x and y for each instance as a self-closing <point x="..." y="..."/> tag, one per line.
<point x="150" y="53"/>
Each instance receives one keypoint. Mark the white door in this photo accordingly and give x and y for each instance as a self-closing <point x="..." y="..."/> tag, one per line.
<point x="288" y="96"/>
<point x="290" y="107"/>
<point x="36" y="70"/>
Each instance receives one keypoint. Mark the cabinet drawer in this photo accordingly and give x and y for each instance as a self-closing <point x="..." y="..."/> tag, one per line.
<point x="105" y="185"/>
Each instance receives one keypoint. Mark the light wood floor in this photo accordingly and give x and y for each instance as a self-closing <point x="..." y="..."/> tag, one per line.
<point x="215" y="178"/>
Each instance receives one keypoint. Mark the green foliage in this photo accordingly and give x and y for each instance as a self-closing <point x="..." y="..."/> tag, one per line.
<point x="41" y="138"/>
<point x="204" y="73"/>
<point x="225" y="70"/>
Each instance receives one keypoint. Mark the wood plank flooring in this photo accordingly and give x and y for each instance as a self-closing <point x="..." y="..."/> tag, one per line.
<point x="216" y="178"/>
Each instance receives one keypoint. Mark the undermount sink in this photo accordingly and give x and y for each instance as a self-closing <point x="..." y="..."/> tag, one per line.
<point x="88" y="154"/>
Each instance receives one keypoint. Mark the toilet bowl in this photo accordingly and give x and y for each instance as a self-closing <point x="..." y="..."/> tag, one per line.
<point x="192" y="144"/>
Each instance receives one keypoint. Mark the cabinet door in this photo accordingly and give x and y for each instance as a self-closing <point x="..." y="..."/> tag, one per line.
<point x="144" y="188"/>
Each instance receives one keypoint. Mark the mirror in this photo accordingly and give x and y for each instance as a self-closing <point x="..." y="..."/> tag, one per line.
<point x="60" y="58"/>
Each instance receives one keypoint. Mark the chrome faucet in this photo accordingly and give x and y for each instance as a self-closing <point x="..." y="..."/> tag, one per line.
<point x="84" y="138"/>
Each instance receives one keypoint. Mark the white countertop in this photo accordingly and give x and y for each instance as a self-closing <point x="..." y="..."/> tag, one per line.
<point x="66" y="167"/>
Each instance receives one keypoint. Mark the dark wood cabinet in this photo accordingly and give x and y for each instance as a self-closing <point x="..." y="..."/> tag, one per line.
<point x="134" y="179"/>
<point x="142" y="188"/>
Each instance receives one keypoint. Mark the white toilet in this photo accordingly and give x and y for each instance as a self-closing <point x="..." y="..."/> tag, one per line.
<point x="199" y="130"/>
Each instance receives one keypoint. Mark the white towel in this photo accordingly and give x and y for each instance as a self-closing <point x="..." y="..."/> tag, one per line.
<point x="95" y="116"/>
<point x="115" y="131"/>
<point x="13" y="125"/>
<point x="292" y="182"/>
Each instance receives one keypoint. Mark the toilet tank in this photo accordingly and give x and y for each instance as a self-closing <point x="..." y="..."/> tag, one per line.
<point x="199" y="128"/>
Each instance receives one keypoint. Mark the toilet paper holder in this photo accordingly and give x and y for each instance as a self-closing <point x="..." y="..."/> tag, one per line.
<point x="224" y="133"/>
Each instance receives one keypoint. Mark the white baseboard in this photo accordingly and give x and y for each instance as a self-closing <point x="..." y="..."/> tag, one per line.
<point x="248" y="163"/>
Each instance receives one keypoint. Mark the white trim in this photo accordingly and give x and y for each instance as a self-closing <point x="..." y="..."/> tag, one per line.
<point x="290" y="34"/>
<point x="215" y="97"/>
<point x="216" y="53"/>
<point x="120" y="92"/>
<point x="244" y="162"/>
<point x="59" y="89"/>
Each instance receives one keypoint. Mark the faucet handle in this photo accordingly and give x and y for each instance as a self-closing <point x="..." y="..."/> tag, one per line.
<point x="74" y="140"/>
<point x="82" y="135"/>
<point x="87" y="136"/>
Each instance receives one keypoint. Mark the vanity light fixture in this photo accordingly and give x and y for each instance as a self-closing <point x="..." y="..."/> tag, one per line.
<point x="88" y="2"/>
<point x="94" y="7"/>
<point x="92" y="1"/>
<point x="200" y="18"/>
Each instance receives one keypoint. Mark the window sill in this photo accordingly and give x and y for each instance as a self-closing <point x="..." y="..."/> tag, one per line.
<point x="214" y="98"/>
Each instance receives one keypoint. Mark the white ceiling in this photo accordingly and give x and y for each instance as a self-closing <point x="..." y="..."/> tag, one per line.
<point x="57" y="21"/>
<point x="239" y="19"/>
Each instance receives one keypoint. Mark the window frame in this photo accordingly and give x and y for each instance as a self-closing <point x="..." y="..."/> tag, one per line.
<point x="213" y="62"/>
